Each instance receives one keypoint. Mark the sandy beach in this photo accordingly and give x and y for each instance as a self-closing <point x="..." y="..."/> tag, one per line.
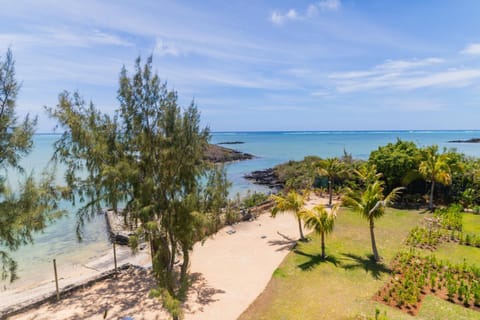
<point x="230" y="270"/>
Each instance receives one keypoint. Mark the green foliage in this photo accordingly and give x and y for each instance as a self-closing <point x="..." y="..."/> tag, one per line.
<point x="424" y="238"/>
<point x="320" y="220"/>
<point x="332" y="168"/>
<point x="292" y="202"/>
<point x="298" y="175"/>
<point x="411" y="271"/>
<point x="451" y="218"/>
<point x="435" y="167"/>
<point x="396" y="161"/>
<point x="171" y="304"/>
<point x="254" y="199"/>
<point x="149" y="155"/>
<point x="33" y="205"/>
<point x="369" y="200"/>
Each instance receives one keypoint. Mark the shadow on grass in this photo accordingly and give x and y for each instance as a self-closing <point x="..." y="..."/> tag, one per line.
<point x="368" y="263"/>
<point x="314" y="260"/>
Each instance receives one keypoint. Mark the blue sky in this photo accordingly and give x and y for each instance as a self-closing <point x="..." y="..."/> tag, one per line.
<point x="260" y="65"/>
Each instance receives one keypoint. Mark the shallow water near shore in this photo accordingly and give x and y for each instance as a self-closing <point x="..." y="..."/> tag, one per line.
<point x="59" y="240"/>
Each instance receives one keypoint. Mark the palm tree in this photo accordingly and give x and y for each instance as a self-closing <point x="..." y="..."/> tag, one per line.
<point x="331" y="168"/>
<point x="434" y="168"/>
<point x="320" y="220"/>
<point x="370" y="203"/>
<point x="292" y="202"/>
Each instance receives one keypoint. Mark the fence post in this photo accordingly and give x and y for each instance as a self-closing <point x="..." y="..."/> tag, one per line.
<point x="56" y="278"/>
<point x="115" y="256"/>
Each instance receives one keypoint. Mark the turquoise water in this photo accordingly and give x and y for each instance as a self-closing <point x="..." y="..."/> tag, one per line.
<point x="270" y="148"/>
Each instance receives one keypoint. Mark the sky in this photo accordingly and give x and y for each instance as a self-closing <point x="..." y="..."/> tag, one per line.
<point x="259" y="65"/>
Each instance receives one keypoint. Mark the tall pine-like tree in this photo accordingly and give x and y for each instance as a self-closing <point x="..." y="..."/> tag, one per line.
<point x="148" y="156"/>
<point x="27" y="209"/>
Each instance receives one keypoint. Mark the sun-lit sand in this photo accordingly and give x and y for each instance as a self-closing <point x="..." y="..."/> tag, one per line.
<point x="230" y="270"/>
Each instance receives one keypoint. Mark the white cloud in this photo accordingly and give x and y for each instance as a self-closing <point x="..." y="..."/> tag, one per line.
<point x="63" y="37"/>
<point x="408" y="64"/>
<point x="279" y="18"/>
<point x="473" y="49"/>
<point x="325" y="5"/>
<point x="404" y="75"/>
<point x="331" y="5"/>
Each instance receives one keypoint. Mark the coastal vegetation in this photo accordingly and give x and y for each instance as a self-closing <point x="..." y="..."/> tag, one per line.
<point x="321" y="221"/>
<point x="369" y="201"/>
<point x="153" y="158"/>
<point x="348" y="282"/>
<point x="423" y="254"/>
<point x="149" y="158"/>
<point x="332" y="168"/>
<point x="29" y="207"/>
<point x="292" y="202"/>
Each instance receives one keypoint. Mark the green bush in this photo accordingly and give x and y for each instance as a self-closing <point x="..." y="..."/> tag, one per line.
<point x="254" y="199"/>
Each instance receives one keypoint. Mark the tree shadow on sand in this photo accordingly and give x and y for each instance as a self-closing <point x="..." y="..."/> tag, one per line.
<point x="286" y="243"/>
<point x="368" y="263"/>
<point x="204" y="292"/>
<point x="111" y="298"/>
<point x="314" y="260"/>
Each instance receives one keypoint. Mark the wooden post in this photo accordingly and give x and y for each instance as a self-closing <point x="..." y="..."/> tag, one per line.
<point x="115" y="256"/>
<point x="56" y="278"/>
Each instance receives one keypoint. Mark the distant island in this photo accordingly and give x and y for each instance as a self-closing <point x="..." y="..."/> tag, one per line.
<point x="473" y="140"/>
<point x="231" y="142"/>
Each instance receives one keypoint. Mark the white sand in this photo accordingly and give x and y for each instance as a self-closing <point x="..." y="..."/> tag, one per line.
<point x="231" y="271"/>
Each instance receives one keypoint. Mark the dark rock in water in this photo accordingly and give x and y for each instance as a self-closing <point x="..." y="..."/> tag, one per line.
<point x="265" y="177"/>
<point x="473" y="140"/>
<point x="218" y="154"/>
<point x="231" y="142"/>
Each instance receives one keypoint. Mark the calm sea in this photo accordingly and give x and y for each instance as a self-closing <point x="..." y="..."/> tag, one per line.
<point x="270" y="148"/>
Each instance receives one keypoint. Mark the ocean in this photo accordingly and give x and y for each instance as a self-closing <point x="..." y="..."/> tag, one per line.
<point x="270" y="148"/>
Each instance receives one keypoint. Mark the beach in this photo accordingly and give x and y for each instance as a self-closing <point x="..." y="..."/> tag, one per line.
<point x="230" y="269"/>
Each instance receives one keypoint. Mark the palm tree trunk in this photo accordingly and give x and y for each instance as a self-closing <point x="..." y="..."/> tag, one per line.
<point x="374" y="244"/>
<point x="330" y="192"/>
<point x="300" y="228"/>
<point x="430" y="205"/>
<point x="323" y="245"/>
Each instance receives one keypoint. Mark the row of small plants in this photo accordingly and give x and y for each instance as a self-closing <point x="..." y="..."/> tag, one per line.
<point x="421" y="237"/>
<point x="450" y="218"/>
<point x="424" y="238"/>
<point x="469" y="239"/>
<point x="415" y="276"/>
<point x="447" y="225"/>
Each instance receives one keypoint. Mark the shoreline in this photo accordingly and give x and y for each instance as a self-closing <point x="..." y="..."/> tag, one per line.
<point x="231" y="269"/>
<point x="70" y="274"/>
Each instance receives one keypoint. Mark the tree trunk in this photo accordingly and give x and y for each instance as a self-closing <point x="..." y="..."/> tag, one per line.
<point x="183" y="290"/>
<point x="374" y="244"/>
<point x="323" y="245"/>
<point x="430" y="205"/>
<point x="300" y="228"/>
<point x="330" y="192"/>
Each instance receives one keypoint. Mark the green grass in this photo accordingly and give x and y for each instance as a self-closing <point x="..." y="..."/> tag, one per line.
<point x="341" y="286"/>
<point x="471" y="223"/>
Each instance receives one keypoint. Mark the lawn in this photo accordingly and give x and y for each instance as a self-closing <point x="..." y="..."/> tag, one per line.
<point x="306" y="287"/>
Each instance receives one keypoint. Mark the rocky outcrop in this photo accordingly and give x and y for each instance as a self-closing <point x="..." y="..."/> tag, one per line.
<point x="266" y="177"/>
<point x="473" y="140"/>
<point x="218" y="154"/>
